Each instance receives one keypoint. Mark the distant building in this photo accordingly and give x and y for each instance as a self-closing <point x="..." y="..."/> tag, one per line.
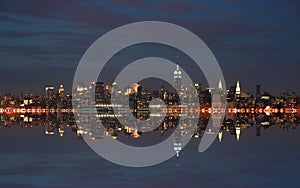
<point x="257" y="90"/>
<point x="49" y="92"/>
<point x="61" y="91"/>
<point x="238" y="90"/>
<point x="50" y="96"/>
<point x="177" y="79"/>
<point x="100" y="93"/>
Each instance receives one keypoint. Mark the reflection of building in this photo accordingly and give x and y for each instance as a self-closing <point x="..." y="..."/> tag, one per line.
<point x="177" y="141"/>
<point x="220" y="87"/>
<point x="49" y="127"/>
<point x="220" y="136"/>
<point x="95" y="127"/>
<point x="238" y="132"/>
<point x="257" y="130"/>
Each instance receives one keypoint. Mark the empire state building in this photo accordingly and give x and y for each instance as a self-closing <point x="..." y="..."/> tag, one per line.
<point x="177" y="79"/>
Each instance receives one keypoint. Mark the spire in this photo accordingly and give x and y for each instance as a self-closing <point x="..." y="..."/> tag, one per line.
<point x="238" y="88"/>
<point x="177" y="72"/>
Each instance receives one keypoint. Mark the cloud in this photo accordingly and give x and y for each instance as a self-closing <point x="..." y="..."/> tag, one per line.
<point x="78" y="11"/>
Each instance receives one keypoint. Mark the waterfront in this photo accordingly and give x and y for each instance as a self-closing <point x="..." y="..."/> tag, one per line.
<point x="32" y="159"/>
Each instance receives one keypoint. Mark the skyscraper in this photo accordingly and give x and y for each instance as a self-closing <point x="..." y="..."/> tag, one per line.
<point x="49" y="92"/>
<point x="61" y="91"/>
<point x="100" y="93"/>
<point x="49" y="96"/>
<point x="238" y="90"/>
<point x="177" y="79"/>
<point x="257" y="90"/>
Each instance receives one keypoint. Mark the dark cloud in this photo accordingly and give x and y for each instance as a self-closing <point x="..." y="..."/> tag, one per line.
<point x="79" y="12"/>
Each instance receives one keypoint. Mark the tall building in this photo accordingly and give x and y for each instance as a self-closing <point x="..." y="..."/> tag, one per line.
<point x="257" y="90"/>
<point x="49" y="92"/>
<point x="177" y="78"/>
<point x="100" y="93"/>
<point x="61" y="91"/>
<point x="238" y="89"/>
<point x="198" y="88"/>
<point x="49" y="96"/>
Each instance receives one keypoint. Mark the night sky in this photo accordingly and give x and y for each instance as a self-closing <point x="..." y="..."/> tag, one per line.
<point x="41" y="42"/>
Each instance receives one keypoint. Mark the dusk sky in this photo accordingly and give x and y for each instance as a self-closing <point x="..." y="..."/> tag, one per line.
<point x="41" y="42"/>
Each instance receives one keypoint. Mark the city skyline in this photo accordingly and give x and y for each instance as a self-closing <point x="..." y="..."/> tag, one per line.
<point x="147" y="93"/>
<point x="42" y="45"/>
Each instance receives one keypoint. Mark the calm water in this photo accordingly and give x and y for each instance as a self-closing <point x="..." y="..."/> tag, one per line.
<point x="31" y="159"/>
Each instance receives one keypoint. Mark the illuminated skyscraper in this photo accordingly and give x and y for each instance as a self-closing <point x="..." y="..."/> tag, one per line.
<point x="61" y="91"/>
<point x="198" y="88"/>
<point x="177" y="79"/>
<point x="49" y="96"/>
<point x="238" y="89"/>
<point x="49" y="92"/>
<point x="100" y="93"/>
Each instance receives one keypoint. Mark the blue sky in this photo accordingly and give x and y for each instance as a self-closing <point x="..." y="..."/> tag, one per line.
<point x="41" y="42"/>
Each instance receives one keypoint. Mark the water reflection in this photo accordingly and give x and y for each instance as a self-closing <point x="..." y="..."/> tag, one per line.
<point x="233" y="124"/>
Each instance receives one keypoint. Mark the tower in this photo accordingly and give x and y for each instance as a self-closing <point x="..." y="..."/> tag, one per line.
<point x="257" y="90"/>
<point x="61" y="91"/>
<point x="238" y="90"/>
<point x="177" y="79"/>
<point x="49" y="96"/>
